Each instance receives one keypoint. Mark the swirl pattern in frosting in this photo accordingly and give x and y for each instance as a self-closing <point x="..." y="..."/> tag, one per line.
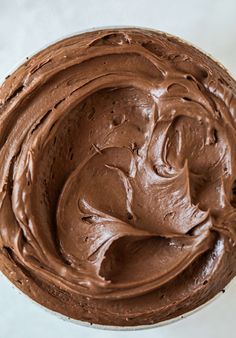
<point x="117" y="177"/>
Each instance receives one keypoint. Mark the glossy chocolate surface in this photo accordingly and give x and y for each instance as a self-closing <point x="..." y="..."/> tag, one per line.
<point x="118" y="163"/>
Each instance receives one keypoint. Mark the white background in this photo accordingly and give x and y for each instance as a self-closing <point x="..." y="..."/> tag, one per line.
<point x="28" y="25"/>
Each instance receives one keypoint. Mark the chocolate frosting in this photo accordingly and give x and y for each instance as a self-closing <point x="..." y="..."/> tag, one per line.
<point x="117" y="174"/>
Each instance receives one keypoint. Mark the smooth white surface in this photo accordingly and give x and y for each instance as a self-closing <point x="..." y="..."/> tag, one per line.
<point x="28" y="25"/>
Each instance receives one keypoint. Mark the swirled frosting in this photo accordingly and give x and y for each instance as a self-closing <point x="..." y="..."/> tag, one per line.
<point x="117" y="177"/>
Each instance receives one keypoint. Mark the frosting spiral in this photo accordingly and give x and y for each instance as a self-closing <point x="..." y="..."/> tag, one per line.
<point x="117" y="177"/>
